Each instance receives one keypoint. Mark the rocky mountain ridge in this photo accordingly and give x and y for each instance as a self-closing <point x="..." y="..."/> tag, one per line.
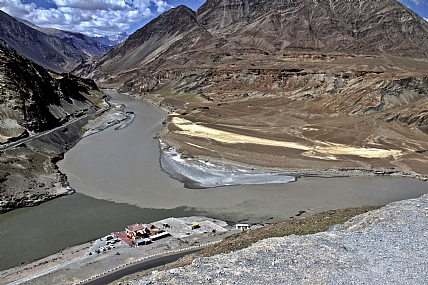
<point x="81" y="42"/>
<point x="48" y="51"/>
<point x="361" y="27"/>
<point x="111" y="41"/>
<point x="142" y="49"/>
<point x="263" y="31"/>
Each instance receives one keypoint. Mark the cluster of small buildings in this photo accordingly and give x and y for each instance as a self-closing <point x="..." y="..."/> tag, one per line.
<point x="141" y="234"/>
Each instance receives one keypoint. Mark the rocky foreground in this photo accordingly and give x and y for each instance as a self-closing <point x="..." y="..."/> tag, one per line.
<point x="385" y="246"/>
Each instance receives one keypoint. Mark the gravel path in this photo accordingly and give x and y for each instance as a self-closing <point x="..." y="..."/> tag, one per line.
<point x="385" y="246"/>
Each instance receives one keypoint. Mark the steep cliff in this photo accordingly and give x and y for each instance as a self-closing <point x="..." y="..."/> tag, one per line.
<point x="34" y="100"/>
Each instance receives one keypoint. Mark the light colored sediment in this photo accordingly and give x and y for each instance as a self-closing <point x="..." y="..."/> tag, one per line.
<point x="327" y="148"/>
<point x="270" y="132"/>
<point x="385" y="246"/>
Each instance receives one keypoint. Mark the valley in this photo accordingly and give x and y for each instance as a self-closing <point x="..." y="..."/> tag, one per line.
<point x="232" y="101"/>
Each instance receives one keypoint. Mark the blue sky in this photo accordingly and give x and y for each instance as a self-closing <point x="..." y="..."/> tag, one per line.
<point x="419" y="6"/>
<point x="111" y="17"/>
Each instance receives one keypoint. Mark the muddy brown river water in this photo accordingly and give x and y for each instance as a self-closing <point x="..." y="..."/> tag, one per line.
<point x="119" y="181"/>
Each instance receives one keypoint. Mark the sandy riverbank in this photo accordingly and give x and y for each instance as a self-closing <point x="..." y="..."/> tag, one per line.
<point x="270" y="133"/>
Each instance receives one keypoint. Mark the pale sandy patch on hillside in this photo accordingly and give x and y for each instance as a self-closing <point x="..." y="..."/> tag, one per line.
<point x="193" y="129"/>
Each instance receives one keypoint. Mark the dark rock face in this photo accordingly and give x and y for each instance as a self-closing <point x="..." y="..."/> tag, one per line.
<point x="28" y="173"/>
<point x="33" y="100"/>
<point x="49" y="51"/>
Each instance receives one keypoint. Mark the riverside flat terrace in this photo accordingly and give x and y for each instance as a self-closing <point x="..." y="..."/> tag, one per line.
<point x="106" y="254"/>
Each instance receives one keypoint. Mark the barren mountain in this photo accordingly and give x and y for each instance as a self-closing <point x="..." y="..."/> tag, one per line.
<point x="292" y="84"/>
<point x="33" y="100"/>
<point x="264" y="34"/>
<point x="81" y="42"/>
<point x="49" y="51"/>
<point x="167" y="36"/>
<point x="362" y="27"/>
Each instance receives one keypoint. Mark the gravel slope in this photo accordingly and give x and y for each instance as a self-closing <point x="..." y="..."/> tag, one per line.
<point x="385" y="246"/>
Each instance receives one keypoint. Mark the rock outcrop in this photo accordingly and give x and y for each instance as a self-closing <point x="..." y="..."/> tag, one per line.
<point x="34" y="100"/>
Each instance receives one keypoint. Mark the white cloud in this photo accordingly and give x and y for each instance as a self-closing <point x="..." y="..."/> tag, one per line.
<point x="162" y="6"/>
<point x="16" y="8"/>
<point x="92" y="17"/>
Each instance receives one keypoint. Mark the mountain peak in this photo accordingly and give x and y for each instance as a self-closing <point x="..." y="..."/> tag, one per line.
<point x="229" y="33"/>
<point x="180" y="11"/>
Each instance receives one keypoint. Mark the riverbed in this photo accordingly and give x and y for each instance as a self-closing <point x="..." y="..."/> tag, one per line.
<point x="119" y="181"/>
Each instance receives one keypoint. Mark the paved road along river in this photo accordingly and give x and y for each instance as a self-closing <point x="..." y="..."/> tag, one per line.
<point x="118" y="180"/>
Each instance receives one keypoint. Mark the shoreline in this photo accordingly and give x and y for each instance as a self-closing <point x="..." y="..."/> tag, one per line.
<point x="94" y="123"/>
<point x="316" y="173"/>
<point x="168" y="150"/>
<point x="298" y="173"/>
<point x="64" y="264"/>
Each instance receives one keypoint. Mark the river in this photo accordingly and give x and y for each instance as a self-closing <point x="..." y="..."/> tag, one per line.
<point x="119" y="181"/>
